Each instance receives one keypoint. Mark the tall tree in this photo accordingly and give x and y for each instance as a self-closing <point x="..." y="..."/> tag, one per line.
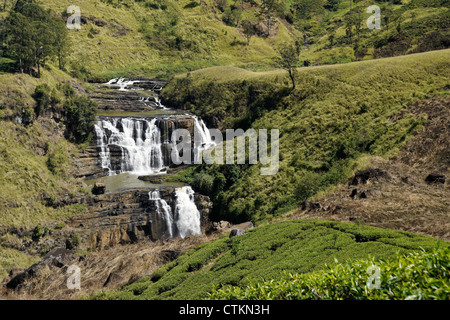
<point x="248" y="28"/>
<point x="268" y="9"/>
<point x="61" y="41"/>
<point x="288" y="60"/>
<point x="18" y="40"/>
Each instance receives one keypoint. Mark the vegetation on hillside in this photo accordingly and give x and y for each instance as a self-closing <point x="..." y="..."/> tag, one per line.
<point x="415" y="276"/>
<point x="336" y="115"/>
<point x="162" y="38"/>
<point x="268" y="252"/>
<point x="32" y="36"/>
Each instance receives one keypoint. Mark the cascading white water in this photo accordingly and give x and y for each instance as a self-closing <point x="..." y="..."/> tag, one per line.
<point x="164" y="210"/>
<point x="122" y="83"/>
<point x="187" y="216"/>
<point x="139" y="141"/>
<point x="202" y="139"/>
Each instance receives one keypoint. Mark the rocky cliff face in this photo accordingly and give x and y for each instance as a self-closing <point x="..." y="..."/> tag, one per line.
<point x="129" y="216"/>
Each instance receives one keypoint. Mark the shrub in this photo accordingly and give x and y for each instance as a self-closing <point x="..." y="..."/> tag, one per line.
<point x="415" y="276"/>
<point x="81" y="114"/>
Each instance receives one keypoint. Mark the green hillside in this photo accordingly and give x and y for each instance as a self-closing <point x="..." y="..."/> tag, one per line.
<point x="337" y="115"/>
<point x="269" y="252"/>
<point x="415" y="276"/>
<point x="165" y="37"/>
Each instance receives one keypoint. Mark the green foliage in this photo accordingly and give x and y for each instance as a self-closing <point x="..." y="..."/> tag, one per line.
<point x="32" y="36"/>
<point x="416" y="276"/>
<point x="40" y="232"/>
<point x="58" y="160"/>
<point x="76" y="240"/>
<point x="45" y="98"/>
<point x="81" y="113"/>
<point x="266" y="252"/>
<point x="336" y="115"/>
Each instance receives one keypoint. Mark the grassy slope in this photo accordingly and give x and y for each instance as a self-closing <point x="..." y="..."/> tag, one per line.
<point x="24" y="176"/>
<point x="130" y="43"/>
<point x="268" y="252"/>
<point x="139" y="40"/>
<point x="338" y="114"/>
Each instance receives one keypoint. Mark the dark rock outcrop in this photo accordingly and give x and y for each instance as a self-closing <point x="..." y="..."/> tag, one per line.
<point x="365" y="176"/>
<point x="435" y="178"/>
<point x="58" y="257"/>
<point x="237" y="232"/>
<point x="113" y="280"/>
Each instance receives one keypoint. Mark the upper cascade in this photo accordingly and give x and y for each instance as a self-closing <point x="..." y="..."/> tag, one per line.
<point x="144" y="146"/>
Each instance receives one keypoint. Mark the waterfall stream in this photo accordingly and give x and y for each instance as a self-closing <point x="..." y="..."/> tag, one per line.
<point x="142" y="146"/>
<point x="186" y="219"/>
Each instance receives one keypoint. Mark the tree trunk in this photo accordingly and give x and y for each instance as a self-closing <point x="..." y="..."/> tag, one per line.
<point x="292" y="75"/>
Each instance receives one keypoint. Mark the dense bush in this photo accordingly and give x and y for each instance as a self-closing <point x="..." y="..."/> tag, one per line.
<point x="45" y="98"/>
<point x="81" y="116"/>
<point x="415" y="276"/>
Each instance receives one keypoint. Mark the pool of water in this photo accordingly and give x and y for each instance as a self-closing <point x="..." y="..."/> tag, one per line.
<point x="130" y="181"/>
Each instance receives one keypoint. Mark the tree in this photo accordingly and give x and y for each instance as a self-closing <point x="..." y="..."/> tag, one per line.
<point x="268" y="9"/>
<point x="18" y="40"/>
<point x="81" y="115"/>
<point x="31" y="36"/>
<point x="248" y="28"/>
<point x="288" y="60"/>
<point x="304" y="9"/>
<point x="61" y="41"/>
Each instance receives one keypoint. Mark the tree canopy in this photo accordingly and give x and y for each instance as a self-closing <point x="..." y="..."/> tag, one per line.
<point x="31" y="36"/>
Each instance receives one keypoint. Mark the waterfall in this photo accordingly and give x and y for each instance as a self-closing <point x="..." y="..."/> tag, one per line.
<point x="163" y="210"/>
<point x="202" y="139"/>
<point x="187" y="216"/>
<point x="186" y="220"/>
<point x="139" y="141"/>
<point x="143" y="146"/>
<point x="122" y="83"/>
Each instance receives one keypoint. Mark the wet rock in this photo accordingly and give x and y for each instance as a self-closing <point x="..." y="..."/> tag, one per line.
<point x="99" y="188"/>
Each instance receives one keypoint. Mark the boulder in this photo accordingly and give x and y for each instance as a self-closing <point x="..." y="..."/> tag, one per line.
<point x="244" y="226"/>
<point x="113" y="280"/>
<point x="365" y="176"/>
<point x="237" y="232"/>
<point x="99" y="188"/>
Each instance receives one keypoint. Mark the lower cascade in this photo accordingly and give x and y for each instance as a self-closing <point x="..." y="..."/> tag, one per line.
<point x="187" y="216"/>
<point x="184" y="220"/>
